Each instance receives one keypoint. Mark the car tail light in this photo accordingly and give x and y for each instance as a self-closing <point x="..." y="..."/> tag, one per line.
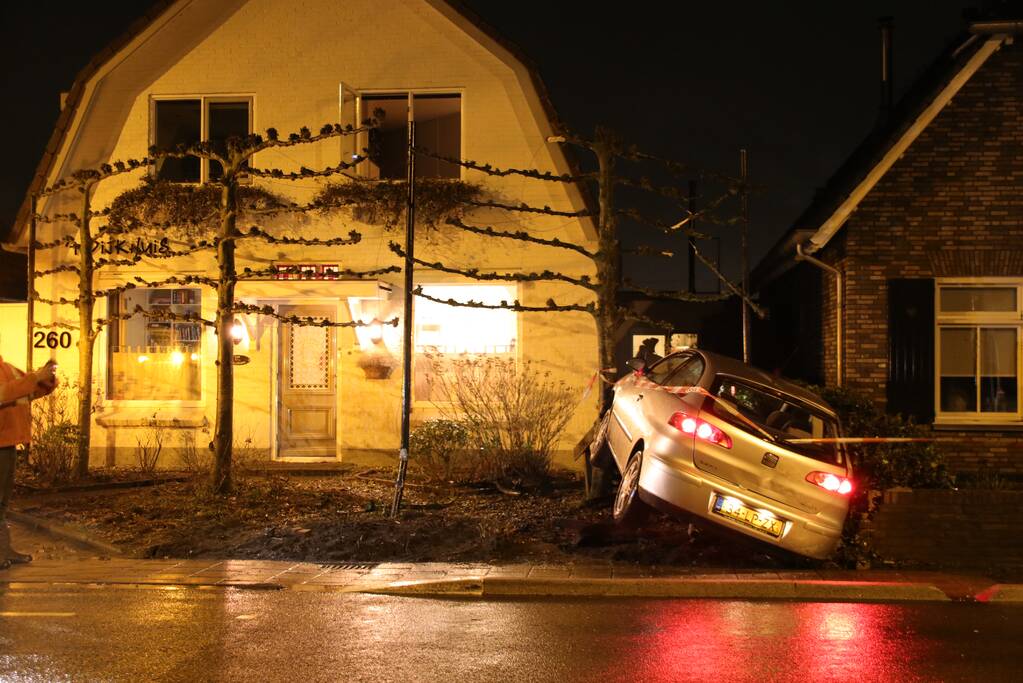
<point x="831" y="482"/>
<point x="704" y="431"/>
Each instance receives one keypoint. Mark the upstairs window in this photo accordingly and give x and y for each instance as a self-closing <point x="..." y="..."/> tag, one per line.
<point x="978" y="340"/>
<point x="438" y="120"/>
<point x="187" y="121"/>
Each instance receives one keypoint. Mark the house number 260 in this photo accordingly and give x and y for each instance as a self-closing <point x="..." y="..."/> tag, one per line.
<point x="52" y="340"/>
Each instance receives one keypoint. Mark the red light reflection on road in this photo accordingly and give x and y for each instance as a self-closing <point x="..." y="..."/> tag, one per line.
<point x="754" y="641"/>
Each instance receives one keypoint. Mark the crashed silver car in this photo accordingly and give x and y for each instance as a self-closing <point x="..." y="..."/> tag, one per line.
<point x="704" y="434"/>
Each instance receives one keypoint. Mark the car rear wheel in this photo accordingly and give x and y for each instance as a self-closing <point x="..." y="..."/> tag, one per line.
<point x="628" y="509"/>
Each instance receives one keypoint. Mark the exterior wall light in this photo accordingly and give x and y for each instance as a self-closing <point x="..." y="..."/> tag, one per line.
<point x="238" y="331"/>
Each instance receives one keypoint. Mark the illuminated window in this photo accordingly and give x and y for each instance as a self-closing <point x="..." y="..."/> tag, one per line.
<point x="151" y="359"/>
<point x="438" y="121"/>
<point x="978" y="340"/>
<point x="445" y="332"/>
<point x="187" y="121"/>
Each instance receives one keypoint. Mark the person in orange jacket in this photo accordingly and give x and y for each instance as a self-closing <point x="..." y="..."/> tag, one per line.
<point x="17" y="389"/>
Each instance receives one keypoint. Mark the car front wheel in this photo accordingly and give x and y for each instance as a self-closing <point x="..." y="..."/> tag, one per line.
<point x="628" y="509"/>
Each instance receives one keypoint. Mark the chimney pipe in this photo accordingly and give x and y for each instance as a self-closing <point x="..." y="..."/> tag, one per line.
<point x="886" y="27"/>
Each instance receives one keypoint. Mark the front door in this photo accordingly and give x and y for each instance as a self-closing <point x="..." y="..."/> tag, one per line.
<point x="307" y="422"/>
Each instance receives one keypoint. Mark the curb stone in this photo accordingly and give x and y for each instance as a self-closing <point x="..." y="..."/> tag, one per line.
<point x="64" y="532"/>
<point x="1002" y="592"/>
<point x="667" y="588"/>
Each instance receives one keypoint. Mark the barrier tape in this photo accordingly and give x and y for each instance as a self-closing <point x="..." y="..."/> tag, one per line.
<point x="643" y="382"/>
<point x="868" y="439"/>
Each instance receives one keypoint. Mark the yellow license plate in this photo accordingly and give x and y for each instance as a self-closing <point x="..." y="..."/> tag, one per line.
<point x="733" y="509"/>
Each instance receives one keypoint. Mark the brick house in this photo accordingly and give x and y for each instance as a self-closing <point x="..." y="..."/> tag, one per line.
<point x="194" y="70"/>
<point x="903" y="279"/>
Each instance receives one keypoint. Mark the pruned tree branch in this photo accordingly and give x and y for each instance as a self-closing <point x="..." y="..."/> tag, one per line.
<point x="55" y="326"/>
<point x="525" y="208"/>
<point x="66" y="268"/>
<point x="521" y="236"/>
<point x="476" y="274"/>
<point x="303" y="172"/>
<point x="647" y="320"/>
<point x="647" y="250"/>
<point x="253" y="274"/>
<point x="502" y="172"/>
<point x="307" y="321"/>
<point x="178" y="280"/>
<point x="354" y="237"/>
<point x="551" y="306"/>
<point x="676" y="295"/>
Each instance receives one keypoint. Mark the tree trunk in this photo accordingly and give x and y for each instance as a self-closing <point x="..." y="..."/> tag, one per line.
<point x="86" y="303"/>
<point x="224" y="435"/>
<point x="609" y="266"/>
<point x="597" y="473"/>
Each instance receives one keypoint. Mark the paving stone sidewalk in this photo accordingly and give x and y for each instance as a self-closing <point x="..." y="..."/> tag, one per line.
<point x="61" y="562"/>
<point x="601" y="579"/>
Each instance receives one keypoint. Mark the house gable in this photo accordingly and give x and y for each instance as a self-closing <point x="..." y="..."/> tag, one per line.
<point x="292" y="57"/>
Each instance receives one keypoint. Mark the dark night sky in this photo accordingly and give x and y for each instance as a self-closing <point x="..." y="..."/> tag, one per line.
<point x="795" y="82"/>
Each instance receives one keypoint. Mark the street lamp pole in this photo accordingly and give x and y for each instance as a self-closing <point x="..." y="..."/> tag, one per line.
<point x="406" y="336"/>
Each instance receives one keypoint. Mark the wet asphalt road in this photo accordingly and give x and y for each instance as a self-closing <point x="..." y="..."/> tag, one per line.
<point x="131" y="634"/>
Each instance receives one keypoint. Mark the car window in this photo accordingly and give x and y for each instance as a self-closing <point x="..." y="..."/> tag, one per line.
<point x="663" y="369"/>
<point x="687" y="374"/>
<point x="781" y="416"/>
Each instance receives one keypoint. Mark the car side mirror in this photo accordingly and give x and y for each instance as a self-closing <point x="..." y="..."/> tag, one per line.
<point x="637" y="364"/>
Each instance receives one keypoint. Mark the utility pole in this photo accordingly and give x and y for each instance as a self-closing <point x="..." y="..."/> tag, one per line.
<point x="692" y="241"/>
<point x="31" y="282"/>
<point x="406" y="332"/>
<point x="744" y="175"/>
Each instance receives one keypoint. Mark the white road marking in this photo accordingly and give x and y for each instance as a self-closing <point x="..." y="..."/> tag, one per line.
<point x="37" y="614"/>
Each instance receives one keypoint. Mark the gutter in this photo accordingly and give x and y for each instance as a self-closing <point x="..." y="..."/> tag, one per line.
<point x="839" y="306"/>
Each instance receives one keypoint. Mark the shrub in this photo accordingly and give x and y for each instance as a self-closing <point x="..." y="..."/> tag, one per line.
<point x="54" y="436"/>
<point x="880" y="466"/>
<point x="193" y="458"/>
<point x="149" y="445"/>
<point x="438" y="448"/>
<point x="513" y="413"/>
<point x="53" y="452"/>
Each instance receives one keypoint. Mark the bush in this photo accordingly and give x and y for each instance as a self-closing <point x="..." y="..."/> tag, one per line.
<point x="438" y="448"/>
<point x="194" y="459"/>
<point x="513" y="413"/>
<point x="149" y="445"/>
<point x="54" y="436"/>
<point x="880" y="466"/>
<point x="53" y="452"/>
<point x="883" y="466"/>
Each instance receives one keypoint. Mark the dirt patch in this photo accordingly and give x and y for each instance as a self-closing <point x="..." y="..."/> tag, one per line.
<point x="343" y="518"/>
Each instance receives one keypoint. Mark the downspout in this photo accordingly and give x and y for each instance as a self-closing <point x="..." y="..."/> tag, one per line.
<point x="839" y="305"/>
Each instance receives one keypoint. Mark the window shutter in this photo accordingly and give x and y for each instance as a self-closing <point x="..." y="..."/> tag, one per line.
<point x="911" y="348"/>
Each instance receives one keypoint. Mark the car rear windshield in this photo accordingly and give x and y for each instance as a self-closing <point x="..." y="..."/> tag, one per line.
<point x="777" y="417"/>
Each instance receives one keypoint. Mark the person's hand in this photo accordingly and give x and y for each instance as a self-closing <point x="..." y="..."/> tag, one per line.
<point x="47" y="374"/>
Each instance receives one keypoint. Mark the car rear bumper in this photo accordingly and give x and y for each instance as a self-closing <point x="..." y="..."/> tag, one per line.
<point x="690" y="490"/>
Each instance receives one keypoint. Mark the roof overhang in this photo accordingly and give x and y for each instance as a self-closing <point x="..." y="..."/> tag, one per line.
<point x="833" y="223"/>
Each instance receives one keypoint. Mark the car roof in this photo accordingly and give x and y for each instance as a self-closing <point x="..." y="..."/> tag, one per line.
<point x="719" y="364"/>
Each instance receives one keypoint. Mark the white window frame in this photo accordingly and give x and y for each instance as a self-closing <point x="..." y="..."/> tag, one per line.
<point x="363" y="138"/>
<point x="517" y="286"/>
<point x="204" y="122"/>
<point x="978" y="320"/>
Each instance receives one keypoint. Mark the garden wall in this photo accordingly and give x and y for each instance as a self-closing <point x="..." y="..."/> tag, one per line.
<point x="968" y="529"/>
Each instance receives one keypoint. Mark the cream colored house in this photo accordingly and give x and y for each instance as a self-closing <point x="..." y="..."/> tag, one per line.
<point x="212" y="68"/>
